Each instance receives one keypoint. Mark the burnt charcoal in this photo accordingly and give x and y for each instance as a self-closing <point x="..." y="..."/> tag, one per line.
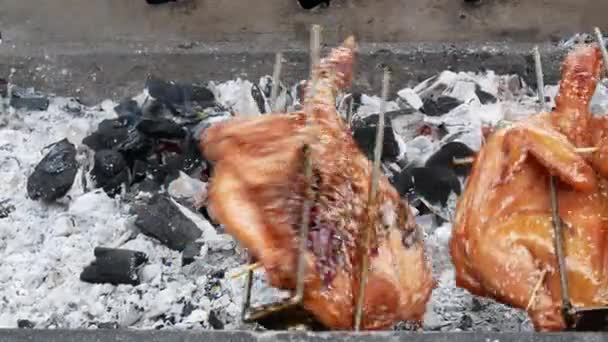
<point x="136" y="146"/>
<point x="73" y="106"/>
<point x="114" y="266"/>
<point x="364" y="133"/>
<point x="446" y="154"/>
<point x="214" y="320"/>
<point x="3" y="87"/>
<point x="483" y="96"/>
<point x="466" y="322"/>
<point x="192" y="156"/>
<point x="25" y="324"/>
<point x="146" y="185"/>
<point x="435" y="184"/>
<point x="181" y="99"/>
<point x="187" y="309"/>
<point x="139" y="171"/>
<point x="441" y="105"/>
<point x="161" y="128"/>
<point x="191" y="251"/>
<point x="310" y="4"/>
<point x="107" y="325"/>
<point x="109" y="134"/>
<point x="158" y="2"/>
<point x="54" y="175"/>
<point x="6" y="208"/>
<point x="162" y="219"/>
<point x="129" y="109"/>
<point x="23" y="99"/>
<point x="110" y="171"/>
<point x="403" y="182"/>
<point x="259" y="98"/>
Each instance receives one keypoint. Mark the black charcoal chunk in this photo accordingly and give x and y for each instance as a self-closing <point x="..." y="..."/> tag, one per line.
<point x="54" y="175"/>
<point x="114" y="266"/>
<point x="259" y="98"/>
<point x="364" y="133"/>
<point x="214" y="320"/>
<point x="109" y="134"/>
<point x="483" y="96"/>
<point x="129" y="109"/>
<point x="162" y="219"/>
<point x="441" y="105"/>
<point x="136" y="146"/>
<point x="310" y="4"/>
<point x="161" y="128"/>
<point x="435" y="184"/>
<point x="6" y="208"/>
<point x="110" y="171"/>
<point x="28" y="100"/>
<point x="446" y="155"/>
<point x="25" y="324"/>
<point x="191" y="251"/>
<point x="181" y="99"/>
<point x="3" y="87"/>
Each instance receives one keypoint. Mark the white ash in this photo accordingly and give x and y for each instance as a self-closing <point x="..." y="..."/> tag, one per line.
<point x="44" y="248"/>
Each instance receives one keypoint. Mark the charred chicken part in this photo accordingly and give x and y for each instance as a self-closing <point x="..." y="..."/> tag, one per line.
<point x="503" y="239"/>
<point x="257" y="191"/>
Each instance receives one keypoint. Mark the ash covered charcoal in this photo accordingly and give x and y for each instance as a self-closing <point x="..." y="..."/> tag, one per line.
<point x="6" y="208"/>
<point x="114" y="266"/>
<point x="364" y="132"/>
<point x="136" y="146"/>
<point x="109" y="134"/>
<point x="190" y="252"/>
<point x="439" y="106"/>
<point x="445" y="156"/>
<point x="110" y="171"/>
<point x="181" y="99"/>
<point x="129" y="109"/>
<point x="28" y="99"/>
<point x="188" y="191"/>
<point x="161" y="128"/>
<point x="207" y="121"/>
<point x="25" y="324"/>
<point x="54" y="175"/>
<point x="162" y="219"/>
<point x="260" y="99"/>
<point x="3" y="87"/>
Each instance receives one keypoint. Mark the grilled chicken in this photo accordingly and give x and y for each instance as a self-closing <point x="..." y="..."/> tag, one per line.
<point x="257" y="192"/>
<point x="503" y="235"/>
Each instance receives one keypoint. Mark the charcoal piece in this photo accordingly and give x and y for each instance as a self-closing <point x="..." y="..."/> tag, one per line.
<point x="214" y="320"/>
<point x="259" y="98"/>
<point x="129" y="109"/>
<point x="29" y="102"/>
<point x="364" y="133"/>
<point x="441" y="105"/>
<point x="107" y="325"/>
<point x="114" y="266"/>
<point x="161" y="128"/>
<point x="158" y="2"/>
<point x="73" y="106"/>
<point x="191" y="251"/>
<point x="483" y="96"/>
<point x="192" y="156"/>
<point x="54" y="175"/>
<point x="446" y="155"/>
<point x="435" y="184"/>
<point x="404" y="183"/>
<point x="466" y="322"/>
<point x="181" y="99"/>
<point x="109" y="134"/>
<point x="6" y="208"/>
<point x="110" y="171"/>
<point x="138" y="171"/>
<point x="187" y="309"/>
<point x="136" y="146"/>
<point x="25" y="324"/>
<point x="162" y="219"/>
<point x="3" y="87"/>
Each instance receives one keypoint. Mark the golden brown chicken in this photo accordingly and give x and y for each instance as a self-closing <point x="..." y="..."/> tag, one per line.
<point x="503" y="235"/>
<point x="257" y="191"/>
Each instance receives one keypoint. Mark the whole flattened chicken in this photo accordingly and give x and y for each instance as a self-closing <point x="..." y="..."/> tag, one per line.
<point x="503" y="234"/>
<point x="257" y="192"/>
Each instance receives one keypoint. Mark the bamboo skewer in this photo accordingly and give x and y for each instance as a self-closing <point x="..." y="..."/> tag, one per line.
<point x="534" y="293"/>
<point x="276" y="74"/>
<point x="371" y="202"/>
<point x="246" y="269"/>
<point x="600" y="40"/>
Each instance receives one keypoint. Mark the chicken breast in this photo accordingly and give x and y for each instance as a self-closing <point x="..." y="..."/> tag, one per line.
<point x="257" y="192"/>
<point x="503" y="234"/>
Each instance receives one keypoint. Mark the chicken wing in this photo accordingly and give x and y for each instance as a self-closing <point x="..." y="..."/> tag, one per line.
<point x="503" y="236"/>
<point x="257" y="192"/>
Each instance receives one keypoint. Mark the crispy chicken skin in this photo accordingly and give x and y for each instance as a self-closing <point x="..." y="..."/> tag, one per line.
<point x="257" y="192"/>
<point x="503" y="233"/>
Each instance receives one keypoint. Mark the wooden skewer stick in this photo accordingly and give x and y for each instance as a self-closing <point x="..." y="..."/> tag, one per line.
<point x="372" y="201"/>
<point x="250" y="267"/>
<point x="276" y="74"/>
<point x="539" y="283"/>
<point x="540" y="84"/>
